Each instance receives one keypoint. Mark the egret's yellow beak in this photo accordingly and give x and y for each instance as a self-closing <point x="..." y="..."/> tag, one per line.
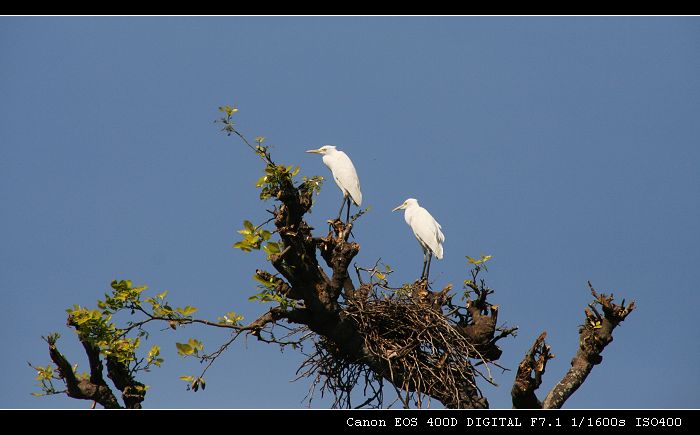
<point x="318" y="151"/>
<point x="399" y="207"/>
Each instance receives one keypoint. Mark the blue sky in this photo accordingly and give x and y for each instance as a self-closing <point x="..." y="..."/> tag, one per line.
<point x="567" y="148"/>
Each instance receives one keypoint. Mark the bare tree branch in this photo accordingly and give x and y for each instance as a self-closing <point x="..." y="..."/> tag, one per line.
<point x="594" y="335"/>
<point x="529" y="375"/>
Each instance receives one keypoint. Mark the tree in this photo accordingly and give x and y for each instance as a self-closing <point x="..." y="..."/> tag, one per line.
<point x="364" y="337"/>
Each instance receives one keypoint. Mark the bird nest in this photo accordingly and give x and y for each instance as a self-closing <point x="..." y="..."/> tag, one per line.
<point x="422" y="350"/>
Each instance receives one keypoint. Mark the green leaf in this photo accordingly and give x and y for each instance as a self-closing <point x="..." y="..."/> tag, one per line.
<point x="272" y="248"/>
<point x="154" y="352"/>
<point x="483" y="259"/>
<point x="187" y="310"/>
<point x="251" y="239"/>
<point x="261" y="181"/>
<point x="260" y="279"/>
<point x="184" y="349"/>
<point x="230" y="318"/>
<point x="248" y="225"/>
<point x="195" y="344"/>
<point x="228" y="110"/>
<point x="44" y="373"/>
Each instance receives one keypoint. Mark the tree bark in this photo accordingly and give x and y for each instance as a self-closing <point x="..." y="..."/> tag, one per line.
<point x="594" y="336"/>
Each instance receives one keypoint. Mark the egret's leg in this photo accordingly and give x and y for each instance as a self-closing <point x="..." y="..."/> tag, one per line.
<point x="430" y="258"/>
<point x="347" y="218"/>
<point x="342" y="206"/>
<point x="425" y="262"/>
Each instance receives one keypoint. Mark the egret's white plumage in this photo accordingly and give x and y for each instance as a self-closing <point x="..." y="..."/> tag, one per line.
<point x="344" y="173"/>
<point x="426" y="229"/>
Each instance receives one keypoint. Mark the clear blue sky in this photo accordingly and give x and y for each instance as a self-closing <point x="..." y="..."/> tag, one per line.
<point x="567" y="148"/>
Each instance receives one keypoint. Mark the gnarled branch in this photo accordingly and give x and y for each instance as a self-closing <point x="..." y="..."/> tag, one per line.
<point x="93" y="388"/>
<point x="529" y="375"/>
<point x="594" y="335"/>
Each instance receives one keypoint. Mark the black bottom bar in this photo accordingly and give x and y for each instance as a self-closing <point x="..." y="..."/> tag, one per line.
<point x="364" y="421"/>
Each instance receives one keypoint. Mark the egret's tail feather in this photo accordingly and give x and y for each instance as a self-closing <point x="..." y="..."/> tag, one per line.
<point x="357" y="198"/>
<point x="438" y="254"/>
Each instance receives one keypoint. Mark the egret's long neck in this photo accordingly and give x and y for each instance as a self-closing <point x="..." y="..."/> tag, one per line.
<point x="408" y="213"/>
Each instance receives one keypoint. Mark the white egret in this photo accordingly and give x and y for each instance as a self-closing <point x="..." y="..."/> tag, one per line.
<point x="344" y="175"/>
<point x="426" y="229"/>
